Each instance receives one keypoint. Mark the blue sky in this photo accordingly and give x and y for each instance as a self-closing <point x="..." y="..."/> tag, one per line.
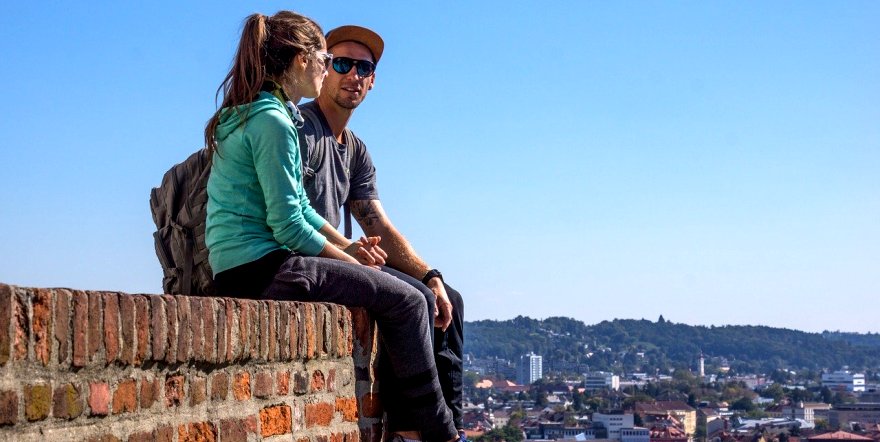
<point x="713" y="162"/>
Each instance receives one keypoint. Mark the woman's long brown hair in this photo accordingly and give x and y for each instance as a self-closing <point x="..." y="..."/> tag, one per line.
<point x="267" y="47"/>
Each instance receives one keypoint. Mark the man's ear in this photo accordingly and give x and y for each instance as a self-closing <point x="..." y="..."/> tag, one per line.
<point x="373" y="82"/>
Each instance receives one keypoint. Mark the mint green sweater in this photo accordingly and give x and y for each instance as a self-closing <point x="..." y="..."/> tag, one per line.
<point x="256" y="200"/>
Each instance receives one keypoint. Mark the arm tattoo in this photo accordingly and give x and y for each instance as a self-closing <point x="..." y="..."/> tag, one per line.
<point x="365" y="213"/>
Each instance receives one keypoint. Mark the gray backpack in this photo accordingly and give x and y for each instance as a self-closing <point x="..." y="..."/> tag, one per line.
<point x="178" y="207"/>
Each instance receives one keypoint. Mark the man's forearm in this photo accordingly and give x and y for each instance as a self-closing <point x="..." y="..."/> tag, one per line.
<point x="401" y="254"/>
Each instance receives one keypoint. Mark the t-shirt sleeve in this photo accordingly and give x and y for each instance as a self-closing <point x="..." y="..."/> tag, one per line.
<point x="363" y="176"/>
<point x="275" y="146"/>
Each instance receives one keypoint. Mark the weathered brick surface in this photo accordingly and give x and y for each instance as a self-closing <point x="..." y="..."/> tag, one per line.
<point x="197" y="432"/>
<point x="197" y="390"/>
<point x="241" y="386"/>
<point x="173" y="390"/>
<point x="80" y="328"/>
<point x="42" y="314"/>
<point x="348" y="408"/>
<point x="37" y="401"/>
<point x="219" y="386"/>
<point x="67" y="402"/>
<point x="99" y="398"/>
<point x="128" y="350"/>
<point x="60" y="324"/>
<point x="371" y="405"/>
<point x="108" y="364"/>
<point x="6" y="298"/>
<point x="319" y="414"/>
<point x="142" y="307"/>
<point x="275" y="420"/>
<point x="263" y="384"/>
<point x="96" y="338"/>
<point x="111" y="327"/>
<point x="8" y="403"/>
<point x="125" y="397"/>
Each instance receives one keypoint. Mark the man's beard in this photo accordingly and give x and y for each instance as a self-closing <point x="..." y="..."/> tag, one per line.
<point x="346" y="104"/>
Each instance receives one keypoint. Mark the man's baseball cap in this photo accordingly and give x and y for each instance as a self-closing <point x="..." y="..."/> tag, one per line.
<point x="357" y="34"/>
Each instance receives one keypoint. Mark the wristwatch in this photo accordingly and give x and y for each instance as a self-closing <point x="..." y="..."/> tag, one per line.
<point x="431" y="273"/>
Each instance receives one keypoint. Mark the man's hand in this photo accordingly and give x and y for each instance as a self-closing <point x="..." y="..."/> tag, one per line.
<point x="443" y="312"/>
<point x="367" y="251"/>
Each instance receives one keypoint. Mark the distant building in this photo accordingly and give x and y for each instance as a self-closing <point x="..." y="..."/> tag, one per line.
<point x="844" y="380"/>
<point x="838" y="436"/>
<point x="866" y="414"/>
<point x="601" y="380"/>
<point x="635" y="434"/>
<point x="667" y="433"/>
<point x="530" y="369"/>
<point x="614" y="423"/>
<point x="805" y="411"/>
<point x="679" y="410"/>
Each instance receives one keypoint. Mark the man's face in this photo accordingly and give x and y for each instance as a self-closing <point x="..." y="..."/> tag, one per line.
<point x="348" y="90"/>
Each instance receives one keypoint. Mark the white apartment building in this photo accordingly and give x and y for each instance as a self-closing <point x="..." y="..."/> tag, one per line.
<point x="601" y="380"/>
<point x="530" y="369"/>
<point x="614" y="423"/>
<point x="844" y="380"/>
<point x="635" y="434"/>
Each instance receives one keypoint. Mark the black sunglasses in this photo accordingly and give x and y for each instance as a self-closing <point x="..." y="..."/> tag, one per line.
<point x="344" y="64"/>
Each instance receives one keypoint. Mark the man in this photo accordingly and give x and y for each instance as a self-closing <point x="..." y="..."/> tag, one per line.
<point x="338" y="169"/>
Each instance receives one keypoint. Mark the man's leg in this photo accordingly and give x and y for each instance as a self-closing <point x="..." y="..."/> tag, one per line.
<point x="448" y="345"/>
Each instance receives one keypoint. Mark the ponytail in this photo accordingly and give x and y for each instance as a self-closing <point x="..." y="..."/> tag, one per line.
<point x="266" y="49"/>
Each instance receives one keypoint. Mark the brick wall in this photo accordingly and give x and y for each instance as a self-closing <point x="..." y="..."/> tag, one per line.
<point x="106" y="366"/>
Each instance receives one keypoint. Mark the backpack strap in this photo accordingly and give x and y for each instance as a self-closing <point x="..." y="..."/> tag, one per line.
<point x="346" y="206"/>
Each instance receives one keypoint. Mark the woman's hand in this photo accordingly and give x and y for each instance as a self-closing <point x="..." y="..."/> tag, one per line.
<point x="366" y="251"/>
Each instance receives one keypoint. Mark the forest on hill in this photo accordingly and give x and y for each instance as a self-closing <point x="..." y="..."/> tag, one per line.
<point x="629" y="345"/>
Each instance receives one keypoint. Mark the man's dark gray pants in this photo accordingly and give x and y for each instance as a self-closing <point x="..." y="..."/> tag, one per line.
<point x="402" y="315"/>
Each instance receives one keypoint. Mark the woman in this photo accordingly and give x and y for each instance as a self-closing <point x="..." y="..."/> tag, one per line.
<point x="264" y="238"/>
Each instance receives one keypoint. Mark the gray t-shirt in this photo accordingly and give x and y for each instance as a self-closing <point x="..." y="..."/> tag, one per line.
<point x="326" y="176"/>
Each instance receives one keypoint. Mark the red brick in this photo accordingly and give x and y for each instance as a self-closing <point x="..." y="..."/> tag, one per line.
<point x="195" y="326"/>
<point x="283" y="332"/>
<point x="230" y="323"/>
<point x="99" y="398"/>
<point x="293" y="329"/>
<point x="363" y="329"/>
<point x="157" y="327"/>
<point x="310" y="332"/>
<point x="264" y="331"/>
<point x="241" y="386"/>
<point x="263" y="385"/>
<point x="111" y="326"/>
<point x="170" y="328"/>
<point x="237" y="430"/>
<point x="322" y="329"/>
<point x="165" y="434"/>
<point x="197" y="432"/>
<point x="37" y="401"/>
<point x="198" y="390"/>
<point x="254" y="317"/>
<point x="283" y="380"/>
<point x="144" y="436"/>
<point x="150" y="391"/>
<point x="348" y="407"/>
<point x="220" y="310"/>
<point x="127" y="325"/>
<point x="219" y="386"/>
<point x="331" y="380"/>
<point x="96" y="335"/>
<point x="143" y="329"/>
<point x="183" y="331"/>
<point x="337" y="437"/>
<point x="209" y="317"/>
<point x="42" y="304"/>
<point x="22" y="327"/>
<point x="173" y="390"/>
<point x="125" y="397"/>
<point x="300" y="382"/>
<point x="272" y="326"/>
<point x="8" y="402"/>
<point x="319" y="414"/>
<point x="318" y="382"/>
<point x="66" y="402"/>
<point x="6" y="296"/>
<point x="371" y="405"/>
<point x="80" y="328"/>
<point x="241" y="345"/>
<point x="275" y="420"/>
<point x="61" y="324"/>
